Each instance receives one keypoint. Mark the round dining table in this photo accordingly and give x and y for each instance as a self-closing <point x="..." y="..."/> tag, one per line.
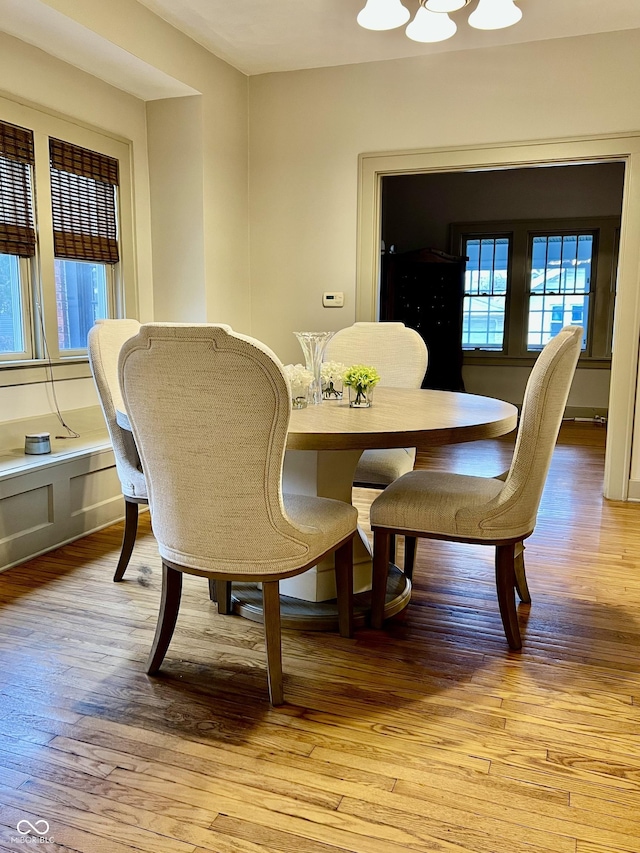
<point x="324" y="445"/>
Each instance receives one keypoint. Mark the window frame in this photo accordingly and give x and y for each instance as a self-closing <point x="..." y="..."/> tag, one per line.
<point x="39" y="282"/>
<point x="602" y="294"/>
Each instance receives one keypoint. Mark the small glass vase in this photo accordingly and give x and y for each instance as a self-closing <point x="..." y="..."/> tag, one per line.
<point x="332" y="389"/>
<point x="360" y="398"/>
<point x="299" y="396"/>
<point x="313" y="344"/>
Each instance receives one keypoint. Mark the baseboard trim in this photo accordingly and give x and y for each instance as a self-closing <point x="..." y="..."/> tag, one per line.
<point x="634" y="490"/>
<point x="585" y="412"/>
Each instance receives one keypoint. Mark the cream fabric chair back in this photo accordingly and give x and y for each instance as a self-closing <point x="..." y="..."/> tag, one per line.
<point x="513" y="512"/>
<point x="398" y="353"/>
<point x="209" y="409"/>
<point x="104" y="341"/>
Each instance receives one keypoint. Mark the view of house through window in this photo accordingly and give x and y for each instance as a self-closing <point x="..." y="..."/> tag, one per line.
<point x="485" y="292"/>
<point x="524" y="281"/>
<point x="559" y="286"/>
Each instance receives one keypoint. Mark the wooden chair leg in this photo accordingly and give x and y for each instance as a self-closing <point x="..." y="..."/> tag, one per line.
<point x="522" y="587"/>
<point x="128" y="539"/>
<point x="505" y="585"/>
<point x="213" y="592"/>
<point x="392" y="548"/>
<point x="169" y="606"/>
<point x="273" y="639"/>
<point x="410" y="543"/>
<point x="344" y="586"/>
<point x="223" y="596"/>
<point x="380" y="574"/>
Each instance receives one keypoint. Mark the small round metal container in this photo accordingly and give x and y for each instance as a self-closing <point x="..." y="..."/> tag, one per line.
<point x="38" y="442"/>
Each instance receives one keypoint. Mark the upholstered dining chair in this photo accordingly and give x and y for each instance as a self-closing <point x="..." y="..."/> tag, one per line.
<point x="209" y="409"/>
<point x="400" y="356"/>
<point x="484" y="510"/>
<point x="104" y="342"/>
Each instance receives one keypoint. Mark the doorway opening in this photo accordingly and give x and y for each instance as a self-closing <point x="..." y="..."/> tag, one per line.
<point x="622" y="467"/>
<point x="488" y="265"/>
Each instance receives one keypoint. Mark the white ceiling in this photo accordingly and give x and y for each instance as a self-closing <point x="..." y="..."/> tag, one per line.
<point x="258" y="36"/>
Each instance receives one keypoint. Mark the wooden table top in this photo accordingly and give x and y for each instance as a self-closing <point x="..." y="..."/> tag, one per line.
<point x="400" y="418"/>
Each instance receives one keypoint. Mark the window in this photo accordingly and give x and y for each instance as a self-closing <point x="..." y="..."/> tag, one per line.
<point x="485" y="292"/>
<point x="524" y="281"/>
<point x="61" y="235"/>
<point x="17" y="238"/>
<point x="85" y="240"/>
<point x="559" y="285"/>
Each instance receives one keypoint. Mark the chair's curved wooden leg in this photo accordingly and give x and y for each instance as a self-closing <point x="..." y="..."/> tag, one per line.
<point x="505" y="585"/>
<point x="128" y="539"/>
<point x="344" y="587"/>
<point x="410" y="543"/>
<point x="223" y="597"/>
<point x="273" y="639"/>
<point x="522" y="587"/>
<point x="380" y="574"/>
<point x="169" y="606"/>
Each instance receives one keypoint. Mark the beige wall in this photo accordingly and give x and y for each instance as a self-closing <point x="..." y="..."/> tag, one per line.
<point x="207" y="279"/>
<point x="224" y="154"/>
<point x="177" y="183"/>
<point x="307" y="129"/>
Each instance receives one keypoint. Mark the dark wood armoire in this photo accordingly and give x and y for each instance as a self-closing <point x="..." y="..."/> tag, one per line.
<point x="424" y="289"/>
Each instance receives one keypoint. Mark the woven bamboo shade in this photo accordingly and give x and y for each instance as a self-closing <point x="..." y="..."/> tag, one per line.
<point x="83" y="198"/>
<point x="17" y="229"/>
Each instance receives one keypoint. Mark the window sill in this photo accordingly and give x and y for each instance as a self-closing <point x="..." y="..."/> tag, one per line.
<point x="36" y="372"/>
<point x="486" y="359"/>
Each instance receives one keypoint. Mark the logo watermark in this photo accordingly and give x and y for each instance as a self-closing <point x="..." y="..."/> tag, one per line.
<point x="32" y="833"/>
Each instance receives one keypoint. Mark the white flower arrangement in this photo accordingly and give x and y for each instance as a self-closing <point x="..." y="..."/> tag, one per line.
<point x="299" y="379"/>
<point x="331" y="374"/>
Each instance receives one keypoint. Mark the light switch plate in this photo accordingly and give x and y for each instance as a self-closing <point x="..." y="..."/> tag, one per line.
<point x="333" y="299"/>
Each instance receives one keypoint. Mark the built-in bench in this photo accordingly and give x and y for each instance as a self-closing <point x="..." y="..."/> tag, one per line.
<point x="54" y="498"/>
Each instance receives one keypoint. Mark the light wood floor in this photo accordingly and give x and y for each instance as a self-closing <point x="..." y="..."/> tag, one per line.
<point x="428" y="736"/>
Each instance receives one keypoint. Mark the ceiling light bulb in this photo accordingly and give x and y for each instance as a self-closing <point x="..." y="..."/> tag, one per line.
<point x="445" y="5"/>
<point x="495" y="14"/>
<point x="383" y="15"/>
<point x="430" y="26"/>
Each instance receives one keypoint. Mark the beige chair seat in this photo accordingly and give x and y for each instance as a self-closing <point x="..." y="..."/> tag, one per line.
<point x="438" y="503"/>
<point x="381" y="467"/>
<point x="134" y="484"/>
<point x="323" y="520"/>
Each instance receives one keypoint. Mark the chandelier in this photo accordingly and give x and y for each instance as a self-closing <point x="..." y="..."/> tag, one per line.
<point x="432" y="22"/>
